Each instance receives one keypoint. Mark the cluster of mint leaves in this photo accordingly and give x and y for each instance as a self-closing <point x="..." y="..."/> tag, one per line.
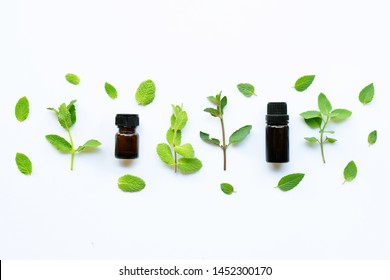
<point x="236" y="137"/>
<point x="180" y="156"/>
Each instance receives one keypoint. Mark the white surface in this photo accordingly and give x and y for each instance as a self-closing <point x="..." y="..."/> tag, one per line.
<point x="192" y="49"/>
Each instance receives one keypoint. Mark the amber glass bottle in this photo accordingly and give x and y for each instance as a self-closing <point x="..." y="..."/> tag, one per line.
<point x="126" y="140"/>
<point x="277" y="133"/>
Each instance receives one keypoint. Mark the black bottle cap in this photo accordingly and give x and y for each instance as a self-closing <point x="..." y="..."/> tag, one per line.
<point x="277" y="113"/>
<point x="127" y="120"/>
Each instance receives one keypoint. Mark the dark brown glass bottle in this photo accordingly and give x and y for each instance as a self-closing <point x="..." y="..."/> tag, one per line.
<point x="277" y="133"/>
<point x="126" y="140"/>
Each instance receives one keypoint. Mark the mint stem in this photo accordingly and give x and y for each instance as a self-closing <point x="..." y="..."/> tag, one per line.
<point x="72" y="151"/>
<point x="224" y="147"/>
<point x="322" y="138"/>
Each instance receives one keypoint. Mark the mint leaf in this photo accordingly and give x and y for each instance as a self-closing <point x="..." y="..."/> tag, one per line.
<point x="350" y="171"/>
<point x="64" y="116"/>
<point x="181" y="120"/>
<point x="240" y="134"/>
<point x="324" y="104"/>
<point x="311" y="139"/>
<point x="227" y="188"/>
<point x="330" y="140"/>
<point x="110" y="90"/>
<point x="170" y="134"/>
<point x="290" y="181"/>
<point x="185" y="150"/>
<point x="72" y="78"/>
<point x="372" y="137"/>
<point x="213" y="100"/>
<point x="23" y="163"/>
<point x="130" y="183"/>
<point x="340" y="114"/>
<point x="314" y="122"/>
<point x="310" y="114"/>
<point x="246" y="89"/>
<point x="367" y="94"/>
<point x="189" y="165"/>
<point x="304" y="82"/>
<point x="165" y="153"/>
<point x="59" y="143"/>
<point x="206" y="137"/>
<point x="90" y="144"/>
<point x="223" y="103"/>
<point x="22" y="109"/>
<point x="72" y="111"/>
<point x="146" y="92"/>
<point x="212" y="111"/>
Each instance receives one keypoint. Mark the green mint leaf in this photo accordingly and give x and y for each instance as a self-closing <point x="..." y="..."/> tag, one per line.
<point x="90" y="144"/>
<point x="340" y="115"/>
<point x="324" y="104"/>
<point x="372" y="137"/>
<point x="240" y="134"/>
<point x="290" y="181"/>
<point x="311" y="139"/>
<point x="53" y="109"/>
<point x="330" y="140"/>
<point x="59" y="143"/>
<point x="146" y="92"/>
<point x="246" y="89"/>
<point x="110" y="90"/>
<point x="367" y="94"/>
<point x="223" y="103"/>
<point x="213" y="100"/>
<point x="165" y="153"/>
<point x="72" y="111"/>
<point x="185" y="150"/>
<point x="72" y="78"/>
<point x="311" y="114"/>
<point x="314" y="122"/>
<point x="64" y="116"/>
<point x="227" y="188"/>
<point x="304" y="82"/>
<point x="181" y="120"/>
<point x="130" y="183"/>
<point x="23" y="163"/>
<point x="206" y="137"/>
<point x="350" y="171"/>
<point x="170" y="134"/>
<point x="189" y="165"/>
<point x="22" y="109"/>
<point x="212" y="111"/>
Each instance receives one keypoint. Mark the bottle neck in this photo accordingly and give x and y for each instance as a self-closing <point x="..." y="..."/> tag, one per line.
<point x="126" y="130"/>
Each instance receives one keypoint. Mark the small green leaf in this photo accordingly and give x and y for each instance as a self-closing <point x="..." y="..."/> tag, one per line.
<point x="340" y="115"/>
<point x="185" y="150"/>
<point x="170" y="134"/>
<point x="64" y="116"/>
<point x="181" y="120"/>
<point x="240" y="134"/>
<point x="53" y="109"/>
<point x="110" y="90"/>
<point x="90" y="144"/>
<point x="372" y="137"/>
<point x="22" y="109"/>
<point x="324" y="104"/>
<point x="246" y="89"/>
<point x="213" y="100"/>
<point x="165" y="153"/>
<point x="314" y="122"/>
<point x="72" y="78"/>
<point x="290" y="181"/>
<point x="367" y="94"/>
<point x="304" y="82"/>
<point x="311" y="139"/>
<point x="223" y="103"/>
<point x="227" y="188"/>
<point x="23" y="163"/>
<point x="206" y="137"/>
<point x="310" y="114"/>
<point x="212" y="111"/>
<point x="130" y="183"/>
<point x="189" y="165"/>
<point x="59" y="143"/>
<point x="146" y="92"/>
<point x="350" y="171"/>
<point x="72" y="111"/>
<point x="330" y="140"/>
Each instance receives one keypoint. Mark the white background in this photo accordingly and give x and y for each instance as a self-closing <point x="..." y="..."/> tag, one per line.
<point x="193" y="49"/>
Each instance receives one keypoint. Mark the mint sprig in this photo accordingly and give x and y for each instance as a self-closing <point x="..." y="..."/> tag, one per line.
<point x="320" y="119"/>
<point x="237" y="136"/>
<point x="66" y="115"/>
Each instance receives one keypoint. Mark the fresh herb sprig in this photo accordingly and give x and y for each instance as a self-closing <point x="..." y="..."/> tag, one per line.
<point x="320" y="119"/>
<point x="183" y="158"/>
<point x="217" y="112"/>
<point x="66" y="115"/>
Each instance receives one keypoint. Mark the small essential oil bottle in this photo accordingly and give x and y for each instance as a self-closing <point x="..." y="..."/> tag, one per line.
<point x="126" y="140"/>
<point x="277" y="133"/>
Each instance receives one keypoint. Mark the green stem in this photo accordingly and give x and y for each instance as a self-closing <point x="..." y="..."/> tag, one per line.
<point x="173" y="145"/>
<point x="224" y="147"/>
<point x="72" y="151"/>
<point x="322" y="138"/>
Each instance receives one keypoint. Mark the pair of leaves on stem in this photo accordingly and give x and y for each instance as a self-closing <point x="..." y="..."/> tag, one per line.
<point x="180" y="156"/>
